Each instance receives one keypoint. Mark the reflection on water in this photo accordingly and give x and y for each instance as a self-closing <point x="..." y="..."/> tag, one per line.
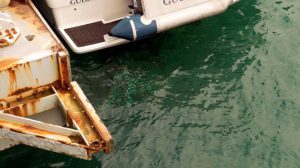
<point x="218" y="93"/>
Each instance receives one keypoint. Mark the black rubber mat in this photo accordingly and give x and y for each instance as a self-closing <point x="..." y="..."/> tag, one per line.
<point x="89" y="34"/>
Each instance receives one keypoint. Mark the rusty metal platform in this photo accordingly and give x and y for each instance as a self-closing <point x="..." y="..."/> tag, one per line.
<point x="40" y="106"/>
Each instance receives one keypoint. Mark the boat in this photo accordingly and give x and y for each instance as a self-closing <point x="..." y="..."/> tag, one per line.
<point x="40" y="105"/>
<point x="89" y="25"/>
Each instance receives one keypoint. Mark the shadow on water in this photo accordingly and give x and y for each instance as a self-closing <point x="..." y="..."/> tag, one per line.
<point x="197" y="96"/>
<point x="23" y="156"/>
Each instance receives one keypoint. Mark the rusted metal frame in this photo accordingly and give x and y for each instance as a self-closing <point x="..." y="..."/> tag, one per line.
<point x="77" y="118"/>
<point x="54" y="145"/>
<point x="69" y="119"/>
<point x="103" y="132"/>
<point x="14" y="73"/>
<point x="33" y="106"/>
<point x="27" y="96"/>
<point x="39" y="125"/>
<point x="64" y="68"/>
<point x="29" y="133"/>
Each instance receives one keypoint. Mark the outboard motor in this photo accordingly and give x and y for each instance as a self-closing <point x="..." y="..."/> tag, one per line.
<point x="134" y="28"/>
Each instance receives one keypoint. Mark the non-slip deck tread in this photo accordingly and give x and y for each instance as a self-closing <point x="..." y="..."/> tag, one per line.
<point x="89" y="34"/>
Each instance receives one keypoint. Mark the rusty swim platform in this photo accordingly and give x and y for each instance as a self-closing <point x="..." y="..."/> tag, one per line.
<point x="40" y="105"/>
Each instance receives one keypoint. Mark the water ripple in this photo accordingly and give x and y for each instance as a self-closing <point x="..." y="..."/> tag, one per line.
<point x="218" y="93"/>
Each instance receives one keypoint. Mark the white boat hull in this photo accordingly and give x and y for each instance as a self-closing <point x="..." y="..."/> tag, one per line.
<point x="82" y="15"/>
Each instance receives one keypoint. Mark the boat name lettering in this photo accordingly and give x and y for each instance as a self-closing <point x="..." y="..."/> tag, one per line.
<point x="73" y="2"/>
<point x="169" y="2"/>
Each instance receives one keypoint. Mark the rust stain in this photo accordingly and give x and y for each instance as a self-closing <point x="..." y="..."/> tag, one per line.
<point x="64" y="72"/>
<point x="32" y="95"/>
<point x="37" y="82"/>
<point x="88" y="122"/>
<point x="3" y="105"/>
<point x="9" y="62"/>
<point x="54" y="47"/>
<point x="14" y="111"/>
<point x="27" y="65"/>
<point x="19" y="91"/>
<point x="52" y="58"/>
<point x="39" y="61"/>
<point x="27" y="69"/>
<point x="22" y="9"/>
<point x="33" y="107"/>
<point x="27" y="129"/>
<point x="12" y="80"/>
<point x="77" y="114"/>
<point x="21" y="111"/>
<point x="11" y="66"/>
<point x="24" y="110"/>
<point x="107" y="142"/>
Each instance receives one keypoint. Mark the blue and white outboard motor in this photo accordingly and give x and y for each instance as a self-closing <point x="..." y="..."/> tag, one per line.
<point x="134" y="28"/>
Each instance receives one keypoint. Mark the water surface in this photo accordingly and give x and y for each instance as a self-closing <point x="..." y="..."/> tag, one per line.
<point x="220" y="93"/>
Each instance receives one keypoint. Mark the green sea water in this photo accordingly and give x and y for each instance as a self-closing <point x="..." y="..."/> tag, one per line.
<point x="220" y="93"/>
